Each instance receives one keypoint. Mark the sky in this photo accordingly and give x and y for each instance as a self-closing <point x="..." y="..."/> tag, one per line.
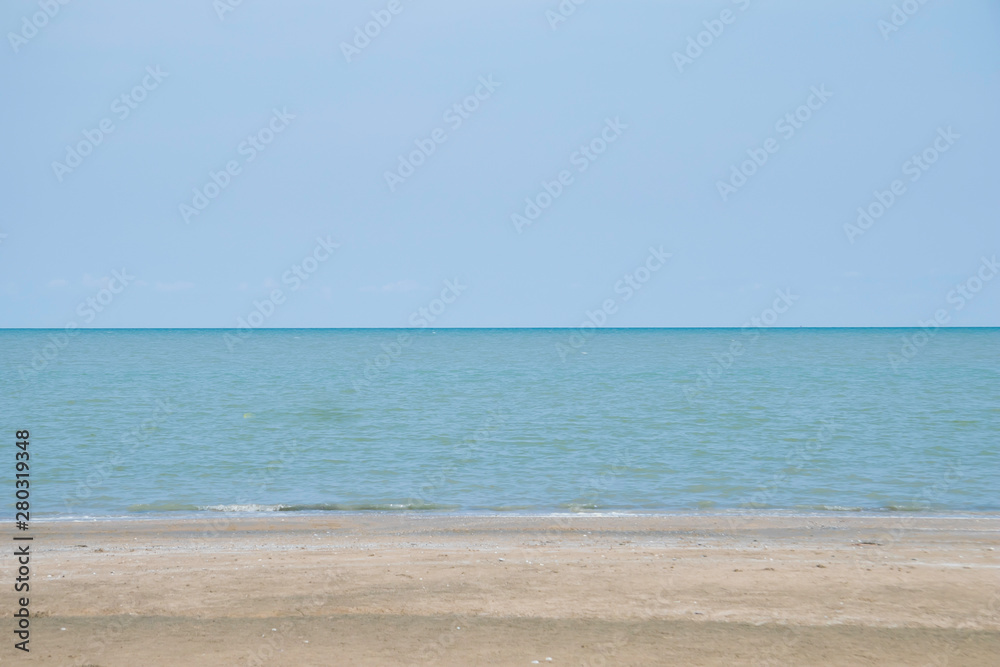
<point x="525" y="163"/>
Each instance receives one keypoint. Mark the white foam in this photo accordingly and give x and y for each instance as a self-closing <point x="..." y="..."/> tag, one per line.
<point x="242" y="508"/>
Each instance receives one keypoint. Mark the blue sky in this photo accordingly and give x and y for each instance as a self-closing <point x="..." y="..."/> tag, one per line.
<point x="309" y="130"/>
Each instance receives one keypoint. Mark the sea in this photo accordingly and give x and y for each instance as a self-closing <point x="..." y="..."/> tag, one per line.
<point x="170" y="422"/>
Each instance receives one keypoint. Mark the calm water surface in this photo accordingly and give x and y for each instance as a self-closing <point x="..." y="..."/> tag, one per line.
<point x="141" y="422"/>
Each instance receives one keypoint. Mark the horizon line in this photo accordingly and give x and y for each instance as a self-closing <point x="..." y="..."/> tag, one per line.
<point x="539" y="328"/>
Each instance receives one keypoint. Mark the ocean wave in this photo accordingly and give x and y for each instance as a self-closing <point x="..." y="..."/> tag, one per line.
<point x="890" y="507"/>
<point x="380" y="507"/>
<point x="580" y="507"/>
<point x="914" y="507"/>
<point x="837" y="508"/>
<point x="571" y="507"/>
<point x="331" y="507"/>
<point x="162" y="507"/>
<point x="242" y="508"/>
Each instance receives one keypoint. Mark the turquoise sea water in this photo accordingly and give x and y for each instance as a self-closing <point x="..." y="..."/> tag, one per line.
<point x="140" y="422"/>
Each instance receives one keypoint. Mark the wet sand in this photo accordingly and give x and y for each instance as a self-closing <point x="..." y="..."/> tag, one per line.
<point x="422" y="589"/>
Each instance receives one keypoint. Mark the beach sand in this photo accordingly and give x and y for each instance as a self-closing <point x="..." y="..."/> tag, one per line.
<point x="422" y="589"/>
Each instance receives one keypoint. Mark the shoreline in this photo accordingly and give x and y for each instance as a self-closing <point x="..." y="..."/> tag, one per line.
<point x="412" y="588"/>
<point x="208" y="515"/>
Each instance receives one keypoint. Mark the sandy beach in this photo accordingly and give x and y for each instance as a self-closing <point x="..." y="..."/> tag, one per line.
<point x="421" y="589"/>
